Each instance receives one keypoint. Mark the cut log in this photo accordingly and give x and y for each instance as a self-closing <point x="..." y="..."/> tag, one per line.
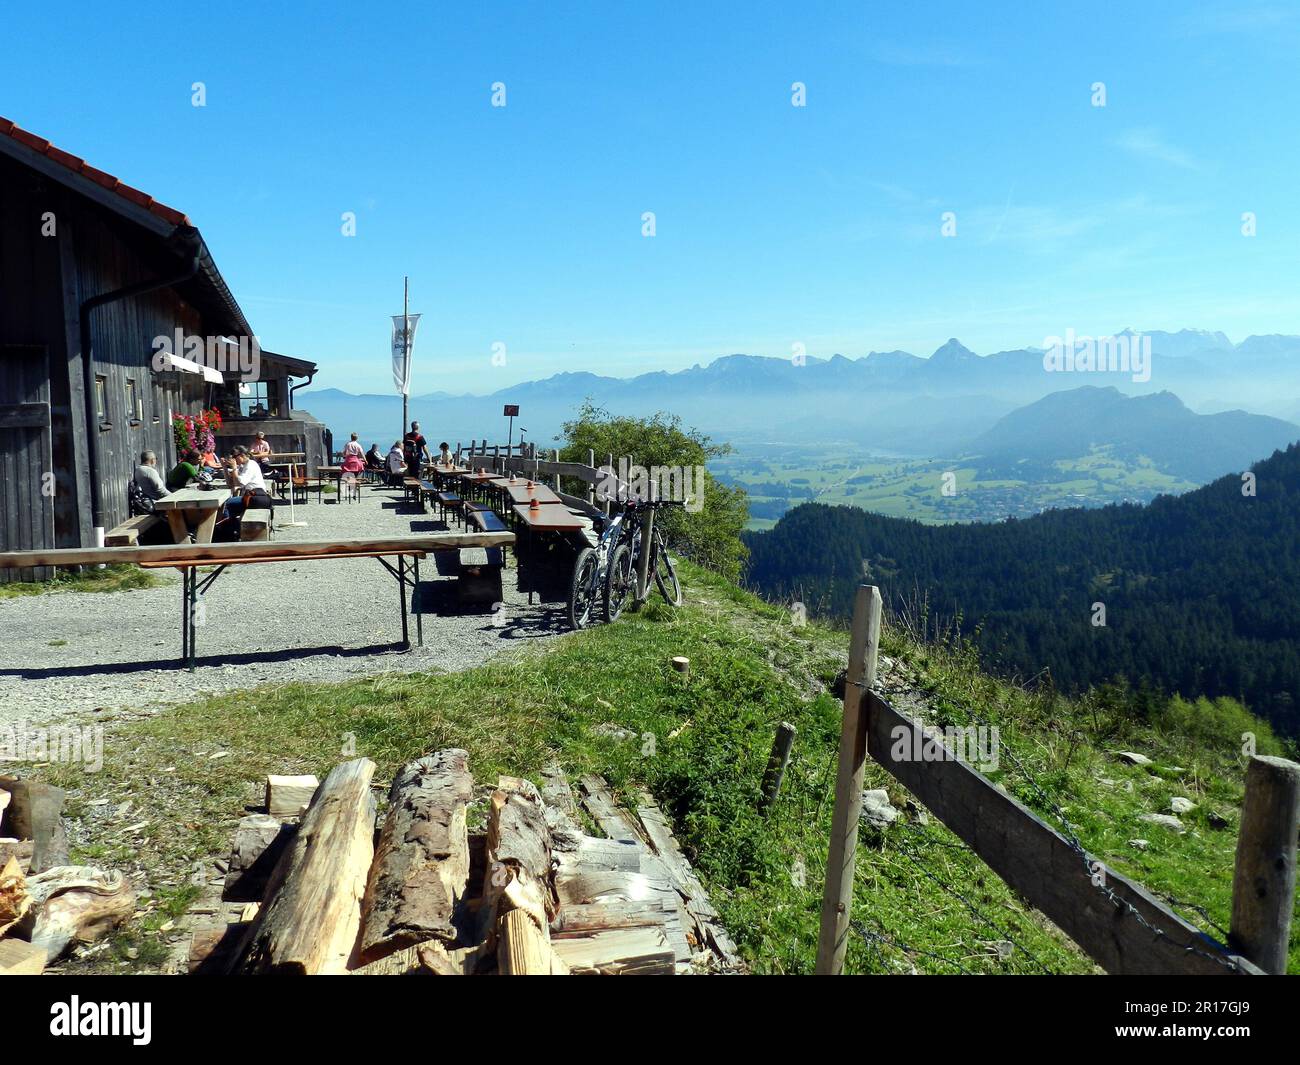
<point x="289" y="796"/>
<point x="615" y="913"/>
<point x="594" y="853"/>
<point x="14" y="898"/>
<point x="76" y="904"/>
<point x="437" y="960"/>
<point x="313" y="914"/>
<point x="556" y="791"/>
<point x="260" y="843"/>
<point x="36" y="813"/>
<point x="622" y="951"/>
<point x="524" y="949"/>
<point x="20" y="958"/>
<point x="421" y="867"/>
<point x="518" y="857"/>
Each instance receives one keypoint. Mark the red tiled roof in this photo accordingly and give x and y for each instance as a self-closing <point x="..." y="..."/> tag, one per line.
<point x="80" y="166"/>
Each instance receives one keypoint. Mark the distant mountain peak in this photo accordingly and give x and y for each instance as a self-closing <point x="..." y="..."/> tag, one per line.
<point x="953" y="351"/>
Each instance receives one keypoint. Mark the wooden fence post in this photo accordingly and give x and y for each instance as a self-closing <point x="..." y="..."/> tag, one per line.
<point x="609" y="461"/>
<point x="837" y="900"/>
<point x="776" y="765"/>
<point x="1264" y="877"/>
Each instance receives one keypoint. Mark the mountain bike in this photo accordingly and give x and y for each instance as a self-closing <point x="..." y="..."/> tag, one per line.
<point x="620" y="579"/>
<point x="590" y="570"/>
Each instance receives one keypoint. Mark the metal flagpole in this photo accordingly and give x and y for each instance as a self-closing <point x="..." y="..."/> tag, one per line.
<point x="406" y="345"/>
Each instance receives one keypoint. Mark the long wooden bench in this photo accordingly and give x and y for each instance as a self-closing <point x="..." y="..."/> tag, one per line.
<point x="427" y="491"/>
<point x="480" y="578"/>
<point x="411" y="489"/>
<point x="129" y="532"/>
<point x="255" y="525"/>
<point x="190" y="558"/>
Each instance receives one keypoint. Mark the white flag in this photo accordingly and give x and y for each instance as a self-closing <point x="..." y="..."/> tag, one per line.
<point x="403" y="351"/>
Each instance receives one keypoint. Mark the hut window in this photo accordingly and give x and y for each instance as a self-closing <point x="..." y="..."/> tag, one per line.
<point x="134" y="410"/>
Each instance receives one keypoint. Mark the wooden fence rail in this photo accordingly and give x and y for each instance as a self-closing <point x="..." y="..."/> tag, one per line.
<point x="1114" y="920"/>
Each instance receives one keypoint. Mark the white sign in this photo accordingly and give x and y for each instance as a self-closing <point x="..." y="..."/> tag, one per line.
<point x="403" y="348"/>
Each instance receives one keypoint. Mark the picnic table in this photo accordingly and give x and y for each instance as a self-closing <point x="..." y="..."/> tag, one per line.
<point x="200" y="504"/>
<point x="545" y="517"/>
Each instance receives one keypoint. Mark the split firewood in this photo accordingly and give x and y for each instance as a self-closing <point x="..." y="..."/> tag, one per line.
<point x="289" y="796"/>
<point x="14" y="898"/>
<point x="421" y="867"/>
<point x="613" y="952"/>
<point x="518" y="857"/>
<point x="524" y="949"/>
<point x="36" y="813"/>
<point x="76" y="904"/>
<point x="312" y="915"/>
<point x="20" y="958"/>
<point x="260" y="842"/>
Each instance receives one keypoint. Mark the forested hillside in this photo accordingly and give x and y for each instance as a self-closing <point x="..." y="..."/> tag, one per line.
<point x="1201" y="592"/>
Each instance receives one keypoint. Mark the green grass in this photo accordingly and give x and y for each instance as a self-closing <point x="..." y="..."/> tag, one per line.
<point x="701" y="747"/>
<point x="108" y="579"/>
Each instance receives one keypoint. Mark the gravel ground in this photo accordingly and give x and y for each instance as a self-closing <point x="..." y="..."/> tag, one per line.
<point x="66" y="653"/>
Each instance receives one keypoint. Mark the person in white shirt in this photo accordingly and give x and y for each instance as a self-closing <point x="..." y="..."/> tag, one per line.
<point x="244" y="478"/>
<point x="147" y="477"/>
<point x="396" y="465"/>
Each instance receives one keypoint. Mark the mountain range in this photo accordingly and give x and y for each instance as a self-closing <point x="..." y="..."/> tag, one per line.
<point x="890" y="402"/>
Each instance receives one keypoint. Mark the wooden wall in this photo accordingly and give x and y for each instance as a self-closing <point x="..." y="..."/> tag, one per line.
<point x="44" y="277"/>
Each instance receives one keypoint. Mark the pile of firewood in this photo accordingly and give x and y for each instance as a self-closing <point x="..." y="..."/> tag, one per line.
<point x="48" y="906"/>
<point x="327" y="890"/>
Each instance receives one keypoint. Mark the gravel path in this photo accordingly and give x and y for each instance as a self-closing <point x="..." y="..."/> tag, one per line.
<point x="69" y="652"/>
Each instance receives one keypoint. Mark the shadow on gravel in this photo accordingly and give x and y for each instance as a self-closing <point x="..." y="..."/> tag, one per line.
<point x="246" y="658"/>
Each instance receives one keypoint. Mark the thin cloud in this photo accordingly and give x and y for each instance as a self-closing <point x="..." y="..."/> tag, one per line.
<point x="1148" y="144"/>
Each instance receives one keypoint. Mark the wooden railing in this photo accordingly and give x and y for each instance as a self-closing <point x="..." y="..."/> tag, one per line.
<point x="1114" y="920"/>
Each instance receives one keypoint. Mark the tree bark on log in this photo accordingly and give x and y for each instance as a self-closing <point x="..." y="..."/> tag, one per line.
<point x="421" y="866"/>
<point x="313" y="914"/>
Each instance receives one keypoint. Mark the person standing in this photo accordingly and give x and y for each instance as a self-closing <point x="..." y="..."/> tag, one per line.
<point x="416" y="449"/>
<point x="352" y="447"/>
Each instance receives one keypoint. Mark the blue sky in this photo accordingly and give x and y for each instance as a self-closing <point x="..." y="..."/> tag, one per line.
<point x="775" y="225"/>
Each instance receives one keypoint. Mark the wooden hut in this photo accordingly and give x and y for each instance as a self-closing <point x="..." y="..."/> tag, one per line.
<point x="92" y="272"/>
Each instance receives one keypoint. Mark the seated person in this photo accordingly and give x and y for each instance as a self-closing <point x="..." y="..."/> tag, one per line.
<point x="396" y="465"/>
<point x="444" y="454"/>
<point x="209" y="461"/>
<point x="374" y="459"/>
<point x="148" y="481"/>
<point x="261" y="448"/>
<point x="184" y="472"/>
<point x="244" y="477"/>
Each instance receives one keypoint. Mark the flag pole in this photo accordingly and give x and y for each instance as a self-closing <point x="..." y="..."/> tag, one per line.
<point x="406" y="341"/>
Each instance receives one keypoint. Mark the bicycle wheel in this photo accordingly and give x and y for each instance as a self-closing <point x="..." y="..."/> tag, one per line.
<point x="665" y="576"/>
<point x="582" y="594"/>
<point x="619" y="583"/>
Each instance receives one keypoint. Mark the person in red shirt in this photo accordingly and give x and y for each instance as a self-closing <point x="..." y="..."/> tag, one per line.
<point x="415" y="449"/>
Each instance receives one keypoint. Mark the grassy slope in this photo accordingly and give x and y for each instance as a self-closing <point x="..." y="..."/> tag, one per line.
<point x="701" y="748"/>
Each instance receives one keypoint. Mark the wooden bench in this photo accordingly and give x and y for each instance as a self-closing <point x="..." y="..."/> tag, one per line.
<point x="427" y="491"/>
<point x="449" y="501"/>
<point x="479" y="580"/>
<point x="129" y="532"/>
<point x="411" y="489"/>
<point x="190" y="558"/>
<point x="255" y="525"/>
